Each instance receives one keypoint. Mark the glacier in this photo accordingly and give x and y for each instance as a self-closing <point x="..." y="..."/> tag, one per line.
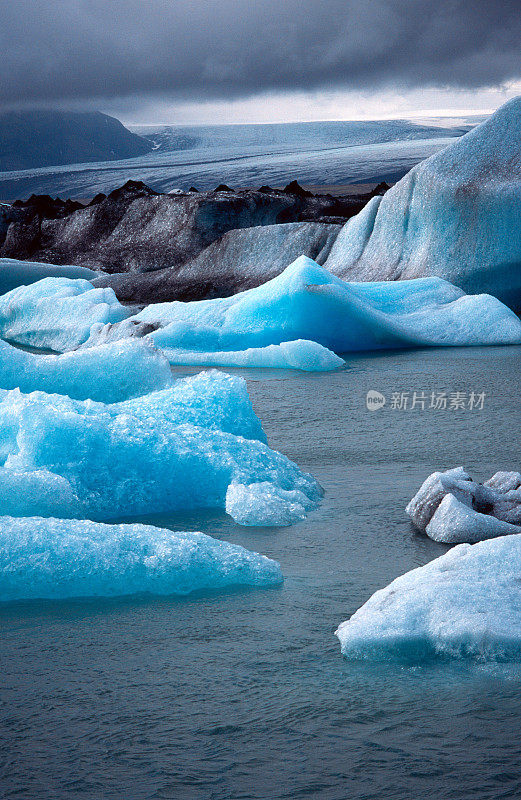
<point x="452" y="508"/>
<point x="108" y="373"/>
<point x="464" y="605"/>
<point x="454" y="216"/>
<point x="307" y="302"/>
<point x="55" y="559"/>
<point x="14" y="273"/>
<point x="179" y="448"/>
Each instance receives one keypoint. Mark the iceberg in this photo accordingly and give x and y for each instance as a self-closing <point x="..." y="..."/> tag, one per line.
<point x="464" y="605"/>
<point x="301" y="354"/>
<point x="307" y="302"/>
<point x="451" y="508"/>
<point x="57" y="313"/>
<point x="454" y="216"/>
<point x="59" y="558"/>
<point x="180" y="448"/>
<point x="14" y="273"/>
<point x="108" y="373"/>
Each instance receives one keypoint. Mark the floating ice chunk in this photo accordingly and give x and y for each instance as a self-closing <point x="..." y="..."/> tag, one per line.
<point x="466" y="604"/>
<point x="108" y="373"/>
<point x="180" y="448"/>
<point x="454" y="215"/>
<point x="15" y="273"/>
<point x="57" y="558"/>
<point x="454" y="523"/>
<point x="266" y="504"/>
<point x="450" y="507"/>
<point x="300" y="354"/>
<point x="57" y="313"/>
<point x="430" y="494"/>
<point x="307" y="302"/>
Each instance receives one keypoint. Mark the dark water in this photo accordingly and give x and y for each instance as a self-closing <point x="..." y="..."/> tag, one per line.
<point x="245" y="695"/>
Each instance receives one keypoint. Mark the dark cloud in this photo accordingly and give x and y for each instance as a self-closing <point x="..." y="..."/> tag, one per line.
<point x="70" y="50"/>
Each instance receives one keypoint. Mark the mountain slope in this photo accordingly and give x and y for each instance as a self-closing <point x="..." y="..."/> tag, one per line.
<point x="32" y="139"/>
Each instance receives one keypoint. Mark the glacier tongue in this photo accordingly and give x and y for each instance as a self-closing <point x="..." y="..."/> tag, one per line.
<point x="58" y="558"/>
<point x="465" y="604"/>
<point x="180" y="448"/>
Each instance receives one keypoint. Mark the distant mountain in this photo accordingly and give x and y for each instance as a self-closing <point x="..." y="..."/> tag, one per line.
<point x="43" y="138"/>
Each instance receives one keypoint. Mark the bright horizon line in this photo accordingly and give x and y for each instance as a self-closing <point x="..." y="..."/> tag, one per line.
<point x="428" y="114"/>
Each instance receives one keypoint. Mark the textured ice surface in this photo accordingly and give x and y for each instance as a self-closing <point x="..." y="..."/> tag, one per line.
<point x="180" y="448"/>
<point x="455" y="522"/>
<point x="15" y="273"/>
<point x="300" y="354"/>
<point x="57" y="313"/>
<point x="108" y="373"/>
<point x="455" y="215"/>
<point x="307" y="302"/>
<point x="57" y="558"/>
<point x="273" y="505"/>
<point x="450" y="507"/>
<point x="466" y="604"/>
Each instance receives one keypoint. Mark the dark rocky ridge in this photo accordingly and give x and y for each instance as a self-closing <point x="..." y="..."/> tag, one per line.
<point x="135" y="230"/>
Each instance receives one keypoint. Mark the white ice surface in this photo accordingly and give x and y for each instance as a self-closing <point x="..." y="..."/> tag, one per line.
<point x="465" y="604"/>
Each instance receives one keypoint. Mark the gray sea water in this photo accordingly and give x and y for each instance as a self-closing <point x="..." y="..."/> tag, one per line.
<point x="245" y="695"/>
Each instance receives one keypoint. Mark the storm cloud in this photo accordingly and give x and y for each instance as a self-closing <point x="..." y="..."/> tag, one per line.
<point x="83" y="50"/>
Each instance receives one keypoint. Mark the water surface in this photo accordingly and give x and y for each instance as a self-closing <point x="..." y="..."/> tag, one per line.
<point x="245" y="695"/>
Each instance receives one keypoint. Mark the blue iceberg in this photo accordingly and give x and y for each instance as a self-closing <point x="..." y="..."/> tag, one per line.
<point x="108" y="373"/>
<point x="454" y="215"/>
<point x="14" y="273"/>
<point x="56" y="559"/>
<point x="58" y="314"/>
<point x="180" y="448"/>
<point x="307" y="302"/>
<point x="465" y="604"/>
<point x="301" y="354"/>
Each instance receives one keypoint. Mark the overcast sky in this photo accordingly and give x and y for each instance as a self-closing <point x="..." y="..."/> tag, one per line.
<point x="260" y="60"/>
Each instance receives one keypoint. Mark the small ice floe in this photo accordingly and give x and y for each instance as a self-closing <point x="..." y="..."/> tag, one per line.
<point x="465" y="604"/>
<point x="64" y="558"/>
<point x="450" y="507"/>
<point x="300" y="354"/>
